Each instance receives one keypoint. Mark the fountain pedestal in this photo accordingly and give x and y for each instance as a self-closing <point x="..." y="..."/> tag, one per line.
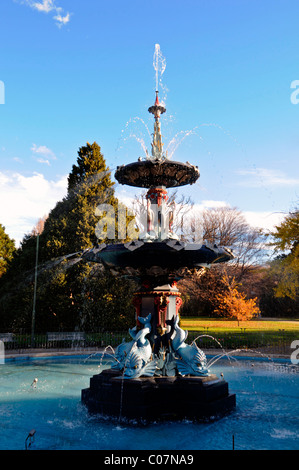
<point x="163" y="303"/>
<point x="150" y="399"/>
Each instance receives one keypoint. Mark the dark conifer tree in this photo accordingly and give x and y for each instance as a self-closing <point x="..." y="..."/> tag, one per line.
<point x="7" y="249"/>
<point x="66" y="296"/>
<point x="70" y="226"/>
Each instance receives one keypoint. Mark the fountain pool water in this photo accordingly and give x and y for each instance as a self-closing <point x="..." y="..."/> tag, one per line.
<point x="266" y="416"/>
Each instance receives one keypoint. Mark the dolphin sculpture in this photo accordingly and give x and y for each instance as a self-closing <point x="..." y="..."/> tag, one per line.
<point x="191" y="360"/>
<point x="136" y="367"/>
<point x="124" y="349"/>
<point x="133" y="357"/>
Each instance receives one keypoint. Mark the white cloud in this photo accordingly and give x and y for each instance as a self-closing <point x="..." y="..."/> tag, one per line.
<point x="45" y="6"/>
<point x="48" y="6"/>
<point x="42" y="160"/>
<point x="43" y="151"/>
<point x="62" y="20"/>
<point x="265" y="220"/>
<point x="260" y="177"/>
<point x="26" y="199"/>
<point x="212" y="203"/>
<point x="17" y="159"/>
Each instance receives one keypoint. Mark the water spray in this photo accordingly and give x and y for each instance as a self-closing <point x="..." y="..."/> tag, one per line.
<point x="159" y="64"/>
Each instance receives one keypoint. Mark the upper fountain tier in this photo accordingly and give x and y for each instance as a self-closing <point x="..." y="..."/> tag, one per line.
<point x="157" y="169"/>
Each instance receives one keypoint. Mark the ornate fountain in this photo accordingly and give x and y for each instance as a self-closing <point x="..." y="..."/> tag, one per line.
<point x="157" y="375"/>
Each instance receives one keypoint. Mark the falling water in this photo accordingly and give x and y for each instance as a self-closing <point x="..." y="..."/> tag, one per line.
<point x="177" y="140"/>
<point x="227" y="354"/>
<point x="159" y="65"/>
<point x="181" y="136"/>
<point x="209" y="336"/>
<point x="131" y="131"/>
<point x="103" y="353"/>
<point x="224" y="353"/>
<point x="226" y="132"/>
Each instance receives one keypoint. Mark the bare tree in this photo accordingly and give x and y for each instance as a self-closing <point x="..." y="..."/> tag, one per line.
<point x="227" y="227"/>
<point x="39" y="227"/>
<point x="221" y="226"/>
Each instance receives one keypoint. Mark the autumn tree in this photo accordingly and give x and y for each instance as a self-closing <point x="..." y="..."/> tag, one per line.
<point x="199" y="292"/>
<point x="225" y="227"/>
<point x="233" y="304"/>
<point x="39" y="227"/>
<point x="216" y="292"/>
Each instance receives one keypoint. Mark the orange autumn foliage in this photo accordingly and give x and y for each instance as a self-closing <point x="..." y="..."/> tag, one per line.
<point x="233" y="304"/>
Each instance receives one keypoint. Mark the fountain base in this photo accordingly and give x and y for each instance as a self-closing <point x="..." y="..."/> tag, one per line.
<point x="149" y="399"/>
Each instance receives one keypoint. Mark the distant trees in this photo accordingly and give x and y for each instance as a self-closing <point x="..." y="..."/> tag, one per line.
<point x="217" y="293"/>
<point x="272" y="285"/>
<point x="223" y="289"/>
<point x="280" y="294"/>
<point x="227" y="227"/>
<point x="286" y="266"/>
<point x="72" y="293"/>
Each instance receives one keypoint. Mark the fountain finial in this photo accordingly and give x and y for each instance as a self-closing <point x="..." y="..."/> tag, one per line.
<point x="157" y="109"/>
<point x="157" y="99"/>
<point x="157" y="145"/>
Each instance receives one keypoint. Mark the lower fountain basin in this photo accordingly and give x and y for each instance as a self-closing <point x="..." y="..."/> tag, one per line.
<point x="159" y="258"/>
<point x="149" y="399"/>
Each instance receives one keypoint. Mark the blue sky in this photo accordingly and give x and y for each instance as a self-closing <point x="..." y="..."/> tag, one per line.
<point x="75" y="71"/>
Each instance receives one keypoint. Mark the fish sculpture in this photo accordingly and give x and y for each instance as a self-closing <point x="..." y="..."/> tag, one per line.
<point x="166" y="363"/>
<point x="123" y="350"/>
<point x="191" y="360"/>
<point x="134" y="357"/>
<point x="137" y="367"/>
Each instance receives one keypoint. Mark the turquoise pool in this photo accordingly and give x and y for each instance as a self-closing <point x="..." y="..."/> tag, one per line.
<point x="266" y="416"/>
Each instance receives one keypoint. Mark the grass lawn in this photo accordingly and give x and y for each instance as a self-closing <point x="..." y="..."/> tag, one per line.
<point x="226" y="326"/>
<point x="275" y="334"/>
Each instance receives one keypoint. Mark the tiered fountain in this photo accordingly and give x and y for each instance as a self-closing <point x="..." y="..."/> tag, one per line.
<point x="157" y="375"/>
